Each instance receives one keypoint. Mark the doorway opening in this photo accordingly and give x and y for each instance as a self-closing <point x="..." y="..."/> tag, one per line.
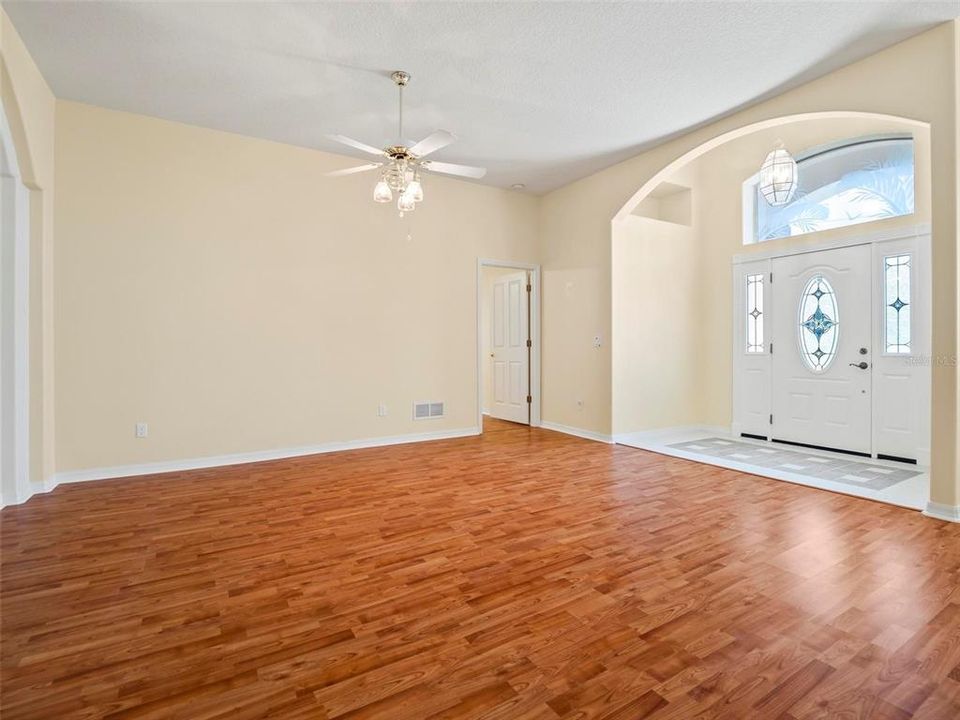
<point x="508" y="342"/>
<point x="830" y="346"/>
<point x="686" y="366"/>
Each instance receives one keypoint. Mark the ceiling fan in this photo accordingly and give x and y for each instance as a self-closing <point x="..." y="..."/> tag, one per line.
<point x="402" y="165"/>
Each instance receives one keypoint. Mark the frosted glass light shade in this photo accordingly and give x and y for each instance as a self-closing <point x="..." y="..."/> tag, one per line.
<point x="382" y="193"/>
<point x="778" y="177"/>
<point x="415" y="190"/>
<point x="406" y="203"/>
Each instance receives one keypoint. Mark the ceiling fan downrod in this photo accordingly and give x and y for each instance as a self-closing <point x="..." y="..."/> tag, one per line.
<point x="400" y="78"/>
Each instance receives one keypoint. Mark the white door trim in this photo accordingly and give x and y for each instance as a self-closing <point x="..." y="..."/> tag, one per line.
<point x="15" y="485"/>
<point x="534" y="271"/>
<point x="900" y="233"/>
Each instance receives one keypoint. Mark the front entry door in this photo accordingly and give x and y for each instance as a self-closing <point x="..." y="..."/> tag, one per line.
<point x="821" y="364"/>
<point x="510" y="351"/>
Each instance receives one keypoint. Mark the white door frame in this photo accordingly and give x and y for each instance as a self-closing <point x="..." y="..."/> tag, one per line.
<point x="15" y="485"/>
<point x="534" y="271"/>
<point x="920" y="232"/>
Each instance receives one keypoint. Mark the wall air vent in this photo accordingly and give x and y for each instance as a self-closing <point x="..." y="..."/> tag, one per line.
<point x="427" y="410"/>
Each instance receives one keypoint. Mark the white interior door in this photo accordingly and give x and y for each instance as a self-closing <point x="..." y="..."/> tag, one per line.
<point x="821" y="360"/>
<point x="510" y="352"/>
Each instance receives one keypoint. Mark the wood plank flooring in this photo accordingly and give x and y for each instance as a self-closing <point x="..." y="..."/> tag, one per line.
<point x="523" y="574"/>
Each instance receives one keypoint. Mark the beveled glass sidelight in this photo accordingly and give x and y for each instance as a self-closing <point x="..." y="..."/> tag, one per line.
<point x="896" y="304"/>
<point x="754" y="316"/>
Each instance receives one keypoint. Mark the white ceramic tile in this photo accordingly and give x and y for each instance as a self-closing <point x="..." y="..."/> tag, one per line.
<point x="706" y="447"/>
<point x="855" y="478"/>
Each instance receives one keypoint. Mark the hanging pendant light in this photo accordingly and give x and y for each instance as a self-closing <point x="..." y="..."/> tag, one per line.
<point x="778" y="177"/>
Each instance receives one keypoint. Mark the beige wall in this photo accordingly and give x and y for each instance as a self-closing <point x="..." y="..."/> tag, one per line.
<point x="224" y="291"/>
<point x="30" y="108"/>
<point x="657" y="334"/>
<point x="915" y="79"/>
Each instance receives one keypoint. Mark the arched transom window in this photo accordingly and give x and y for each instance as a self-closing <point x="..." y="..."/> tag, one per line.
<point x="859" y="181"/>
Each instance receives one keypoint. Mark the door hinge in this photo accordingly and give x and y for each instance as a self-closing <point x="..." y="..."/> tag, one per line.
<point x="771" y="348"/>
<point x="771" y="277"/>
<point x="771" y="418"/>
<point x="529" y="342"/>
<point x="529" y="399"/>
<point x="529" y="287"/>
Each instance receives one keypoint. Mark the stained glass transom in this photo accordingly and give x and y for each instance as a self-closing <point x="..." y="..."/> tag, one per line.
<point x="819" y="324"/>
<point x="754" y="317"/>
<point x="896" y="302"/>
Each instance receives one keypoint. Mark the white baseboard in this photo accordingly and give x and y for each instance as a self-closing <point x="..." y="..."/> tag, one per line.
<point x="950" y="513"/>
<point x="72" y="476"/>
<point x="578" y="432"/>
<point x="718" y="430"/>
<point x="36" y="488"/>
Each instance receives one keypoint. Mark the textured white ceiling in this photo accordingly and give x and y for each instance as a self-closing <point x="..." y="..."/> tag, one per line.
<point x="540" y="93"/>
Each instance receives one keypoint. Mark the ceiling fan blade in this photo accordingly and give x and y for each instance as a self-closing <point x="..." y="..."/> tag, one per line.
<point x="454" y="169"/>
<point x="343" y="139"/>
<point x="433" y="142"/>
<point x="352" y="170"/>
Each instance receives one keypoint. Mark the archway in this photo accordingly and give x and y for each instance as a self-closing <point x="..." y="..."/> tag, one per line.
<point x="724" y="138"/>
<point x="671" y="269"/>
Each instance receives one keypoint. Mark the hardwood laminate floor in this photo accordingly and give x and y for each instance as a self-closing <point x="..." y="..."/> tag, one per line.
<point x="521" y="574"/>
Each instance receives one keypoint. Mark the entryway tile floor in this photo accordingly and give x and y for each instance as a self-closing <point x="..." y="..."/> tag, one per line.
<point x="891" y="482"/>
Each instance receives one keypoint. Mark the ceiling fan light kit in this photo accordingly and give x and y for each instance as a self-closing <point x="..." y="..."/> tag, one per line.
<point x="401" y="165"/>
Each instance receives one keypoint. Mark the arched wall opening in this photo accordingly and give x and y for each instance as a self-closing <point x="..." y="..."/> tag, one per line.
<point x="673" y="244"/>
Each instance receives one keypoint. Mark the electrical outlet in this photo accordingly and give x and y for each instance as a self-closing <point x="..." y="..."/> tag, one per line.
<point x="382" y="410"/>
<point x="141" y="430"/>
<point x="597" y="341"/>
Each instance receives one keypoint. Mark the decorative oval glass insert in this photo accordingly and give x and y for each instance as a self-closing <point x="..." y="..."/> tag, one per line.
<point x="819" y="324"/>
